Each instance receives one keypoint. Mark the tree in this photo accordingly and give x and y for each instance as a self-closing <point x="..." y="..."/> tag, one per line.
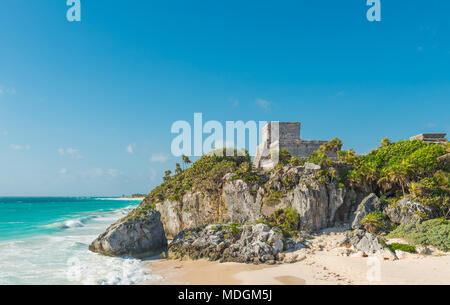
<point x="399" y="174"/>
<point x="385" y="142"/>
<point x="285" y="156"/>
<point x="167" y="175"/>
<point x="186" y="160"/>
<point x="178" y="169"/>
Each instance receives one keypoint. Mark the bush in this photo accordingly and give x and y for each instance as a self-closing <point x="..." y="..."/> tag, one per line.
<point x="402" y="247"/>
<point x="273" y="198"/>
<point x="435" y="232"/>
<point x="287" y="220"/>
<point x="375" y="222"/>
<point x="205" y="174"/>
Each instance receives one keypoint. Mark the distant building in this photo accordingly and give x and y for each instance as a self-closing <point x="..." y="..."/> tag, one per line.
<point x="277" y="136"/>
<point x="433" y="138"/>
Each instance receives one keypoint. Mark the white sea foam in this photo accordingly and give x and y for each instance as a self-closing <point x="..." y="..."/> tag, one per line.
<point x="63" y="256"/>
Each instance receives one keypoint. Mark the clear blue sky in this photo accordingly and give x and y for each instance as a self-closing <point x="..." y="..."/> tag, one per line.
<point x="74" y="96"/>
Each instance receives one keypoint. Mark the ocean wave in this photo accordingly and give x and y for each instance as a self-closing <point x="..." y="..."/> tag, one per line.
<point x="99" y="216"/>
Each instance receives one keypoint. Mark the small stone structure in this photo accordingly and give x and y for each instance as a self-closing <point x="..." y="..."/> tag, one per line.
<point x="277" y="136"/>
<point x="433" y="138"/>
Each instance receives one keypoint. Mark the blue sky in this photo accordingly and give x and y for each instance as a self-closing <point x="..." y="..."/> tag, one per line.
<point x="75" y="96"/>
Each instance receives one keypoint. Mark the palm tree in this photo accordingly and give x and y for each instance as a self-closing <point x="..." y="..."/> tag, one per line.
<point x="167" y="175"/>
<point x="399" y="174"/>
<point x="186" y="160"/>
<point x="385" y="142"/>
<point x="178" y="169"/>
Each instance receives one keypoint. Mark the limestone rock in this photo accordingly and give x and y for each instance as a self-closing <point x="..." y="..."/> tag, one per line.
<point x="138" y="236"/>
<point x="367" y="243"/>
<point x="247" y="244"/>
<point x="406" y="212"/>
<point x="386" y="254"/>
<point x="368" y="205"/>
<point x="293" y="257"/>
<point x="320" y="204"/>
<point x="402" y="254"/>
<point x="311" y="167"/>
<point x="422" y="250"/>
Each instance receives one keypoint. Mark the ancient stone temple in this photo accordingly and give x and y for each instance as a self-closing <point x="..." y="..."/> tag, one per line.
<point x="277" y="136"/>
<point x="433" y="138"/>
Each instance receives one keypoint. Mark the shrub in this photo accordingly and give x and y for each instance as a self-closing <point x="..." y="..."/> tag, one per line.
<point x="435" y="232"/>
<point x="402" y="247"/>
<point x="273" y="198"/>
<point x="205" y="174"/>
<point x="284" y="156"/>
<point x="375" y="222"/>
<point x="287" y="220"/>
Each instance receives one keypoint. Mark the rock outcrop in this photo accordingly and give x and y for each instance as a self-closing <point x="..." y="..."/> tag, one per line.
<point x="320" y="204"/>
<point x="406" y="212"/>
<point x="369" y="204"/>
<point x="139" y="235"/>
<point x="229" y="243"/>
<point x="368" y="244"/>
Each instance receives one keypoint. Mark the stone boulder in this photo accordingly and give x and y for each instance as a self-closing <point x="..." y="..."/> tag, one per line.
<point x="311" y="168"/>
<point x="139" y="235"/>
<point x="406" y="212"/>
<point x="229" y="243"/>
<point x="369" y="204"/>
<point x="368" y="243"/>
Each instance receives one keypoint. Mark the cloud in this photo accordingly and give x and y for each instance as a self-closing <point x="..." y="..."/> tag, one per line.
<point x="63" y="171"/>
<point x="340" y="93"/>
<point x="234" y="102"/>
<point x="20" y="147"/>
<point x="130" y="148"/>
<point x="94" y="172"/>
<point x="113" y="173"/>
<point x="71" y="152"/>
<point x="4" y="133"/>
<point x="265" y="105"/>
<point x="159" y="158"/>
<point x="431" y="125"/>
<point x="7" y="91"/>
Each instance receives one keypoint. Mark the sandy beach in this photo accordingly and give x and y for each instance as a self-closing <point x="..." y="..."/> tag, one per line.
<point x="324" y="267"/>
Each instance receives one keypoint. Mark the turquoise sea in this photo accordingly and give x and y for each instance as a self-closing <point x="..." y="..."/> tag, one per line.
<point x="45" y="241"/>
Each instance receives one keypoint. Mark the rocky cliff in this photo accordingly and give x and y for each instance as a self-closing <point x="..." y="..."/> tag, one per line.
<point x="294" y="198"/>
<point x="320" y="204"/>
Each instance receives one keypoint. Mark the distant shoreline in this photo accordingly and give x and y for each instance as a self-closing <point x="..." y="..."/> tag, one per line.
<point x="123" y="198"/>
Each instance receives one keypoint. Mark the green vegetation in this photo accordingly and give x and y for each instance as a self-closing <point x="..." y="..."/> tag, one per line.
<point x="320" y="156"/>
<point x="435" y="232"/>
<point x="375" y="222"/>
<point x="394" y="170"/>
<point x="287" y="220"/>
<point x="205" y="174"/>
<point x="395" y="166"/>
<point x="138" y="195"/>
<point x="273" y="198"/>
<point x="232" y="230"/>
<point x="402" y="247"/>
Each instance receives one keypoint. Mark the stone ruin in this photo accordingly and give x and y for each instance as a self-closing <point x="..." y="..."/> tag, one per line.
<point x="277" y="136"/>
<point x="433" y="138"/>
